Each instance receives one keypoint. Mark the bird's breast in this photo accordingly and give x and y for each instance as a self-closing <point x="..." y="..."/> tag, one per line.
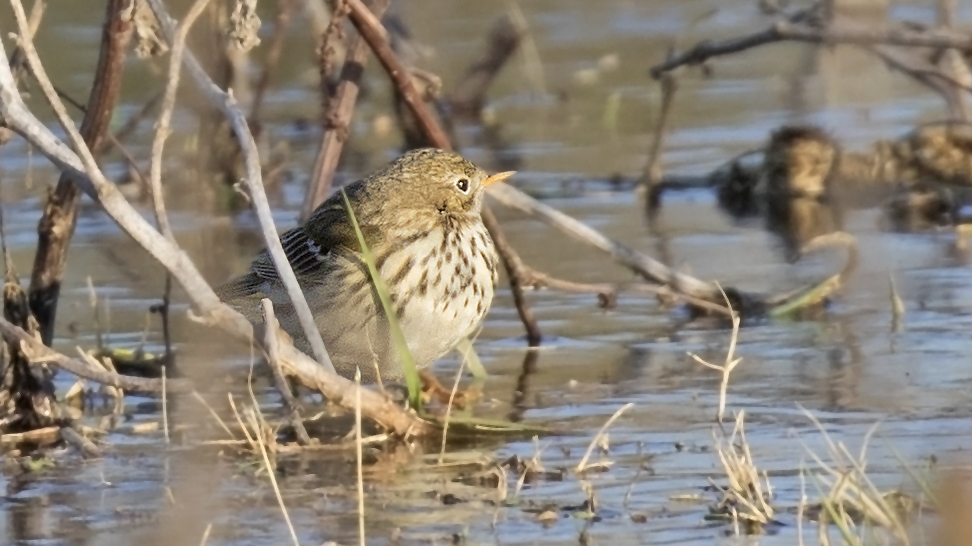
<point x="441" y="282"/>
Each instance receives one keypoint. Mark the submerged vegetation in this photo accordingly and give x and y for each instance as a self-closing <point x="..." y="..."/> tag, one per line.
<point x="164" y="412"/>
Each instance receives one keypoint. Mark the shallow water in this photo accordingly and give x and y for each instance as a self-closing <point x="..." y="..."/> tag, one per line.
<point x="850" y="368"/>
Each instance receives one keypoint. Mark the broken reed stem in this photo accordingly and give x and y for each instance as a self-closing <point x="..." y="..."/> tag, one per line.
<point x="730" y="363"/>
<point x="272" y="346"/>
<point x="582" y="465"/>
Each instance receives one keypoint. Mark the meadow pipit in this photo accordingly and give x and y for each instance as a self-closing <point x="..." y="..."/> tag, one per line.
<point x="420" y="216"/>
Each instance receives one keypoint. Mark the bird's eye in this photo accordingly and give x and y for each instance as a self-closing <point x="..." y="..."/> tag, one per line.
<point x="463" y="185"/>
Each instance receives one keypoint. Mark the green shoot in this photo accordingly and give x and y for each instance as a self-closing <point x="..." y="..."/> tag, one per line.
<point x="398" y="337"/>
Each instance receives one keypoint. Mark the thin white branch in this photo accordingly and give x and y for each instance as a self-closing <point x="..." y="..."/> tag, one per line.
<point x="162" y="130"/>
<point x="254" y="183"/>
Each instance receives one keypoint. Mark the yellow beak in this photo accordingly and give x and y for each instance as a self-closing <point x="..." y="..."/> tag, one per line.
<point x="498" y="177"/>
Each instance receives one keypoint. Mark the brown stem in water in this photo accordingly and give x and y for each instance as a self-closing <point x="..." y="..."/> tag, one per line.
<point x="515" y="272"/>
<point x="652" y="176"/>
<point x="337" y="113"/>
<point x="56" y="227"/>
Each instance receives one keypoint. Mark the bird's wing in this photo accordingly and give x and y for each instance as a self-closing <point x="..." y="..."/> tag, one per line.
<point x="306" y="247"/>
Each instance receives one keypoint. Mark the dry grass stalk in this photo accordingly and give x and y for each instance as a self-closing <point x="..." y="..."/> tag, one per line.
<point x="165" y="408"/>
<point x="730" y="363"/>
<point x="748" y="491"/>
<point x="852" y="501"/>
<point x="359" y="457"/>
<point x="467" y="348"/>
<point x="262" y="439"/>
<point x="582" y="465"/>
<point x="215" y="415"/>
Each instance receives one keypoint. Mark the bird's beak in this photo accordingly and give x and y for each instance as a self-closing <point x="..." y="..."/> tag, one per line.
<point x="498" y="177"/>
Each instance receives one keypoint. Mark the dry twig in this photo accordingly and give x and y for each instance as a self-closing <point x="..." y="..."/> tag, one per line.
<point x="271" y="343"/>
<point x="337" y="118"/>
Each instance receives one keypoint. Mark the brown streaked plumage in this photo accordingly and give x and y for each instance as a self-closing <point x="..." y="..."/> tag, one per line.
<point x="420" y="216"/>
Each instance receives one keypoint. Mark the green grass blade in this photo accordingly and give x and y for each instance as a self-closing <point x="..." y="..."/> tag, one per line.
<point x="398" y="337"/>
<point x="473" y="364"/>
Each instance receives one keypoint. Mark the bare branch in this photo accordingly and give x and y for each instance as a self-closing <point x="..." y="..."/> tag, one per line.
<point x="371" y="30"/>
<point x="788" y="31"/>
<point x="168" y="105"/>
<point x="647" y="267"/>
<point x="272" y="345"/>
<point x="254" y="181"/>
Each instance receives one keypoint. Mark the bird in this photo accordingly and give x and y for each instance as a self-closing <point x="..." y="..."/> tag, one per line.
<point x="420" y="216"/>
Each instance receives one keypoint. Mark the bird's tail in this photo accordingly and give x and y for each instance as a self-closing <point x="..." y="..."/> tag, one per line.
<point x="238" y="288"/>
